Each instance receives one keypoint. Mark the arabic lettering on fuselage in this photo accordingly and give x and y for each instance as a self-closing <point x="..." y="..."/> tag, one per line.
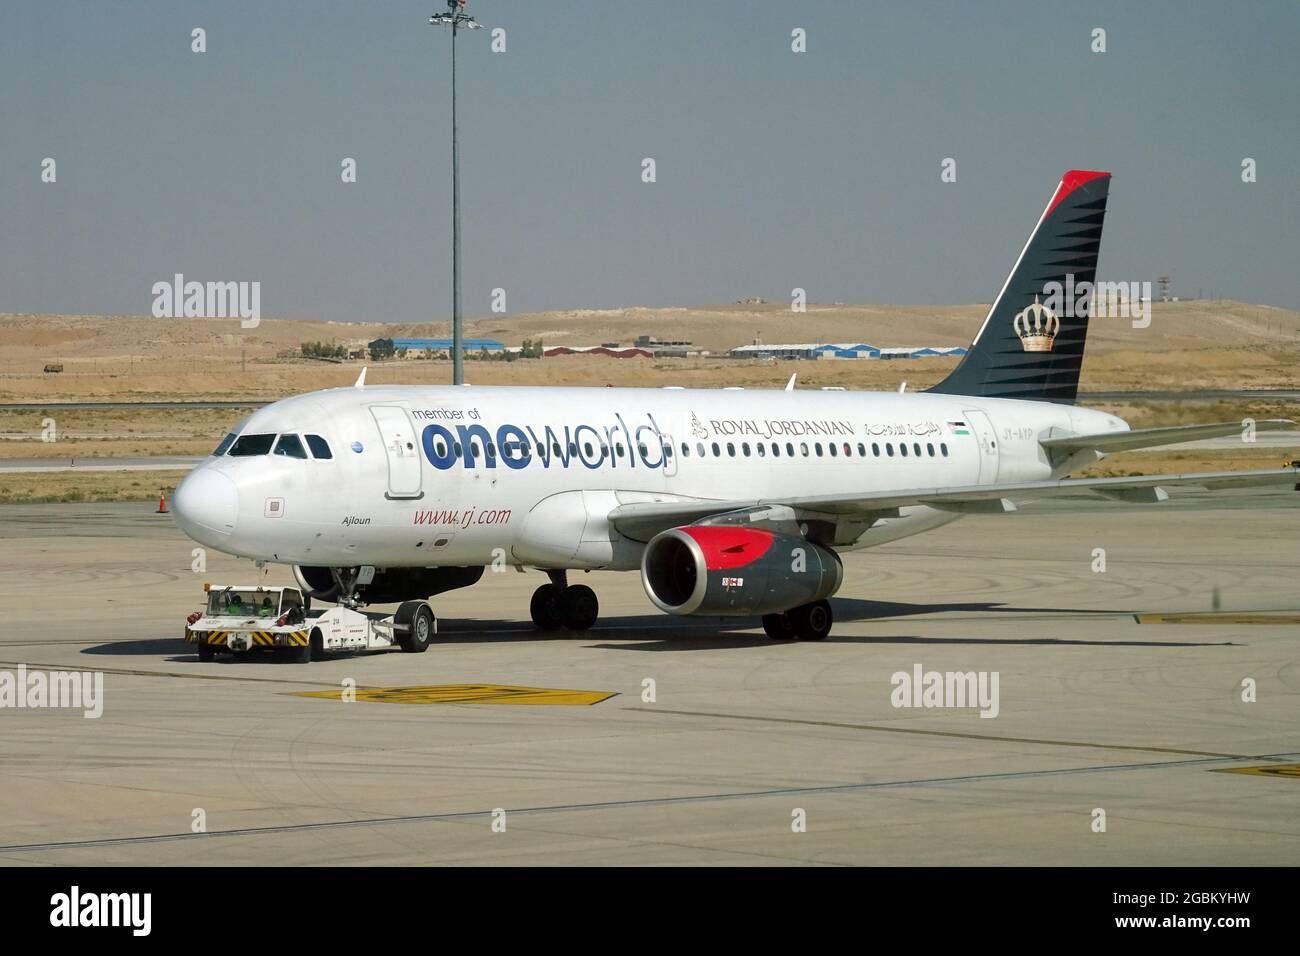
<point x="769" y="428"/>
<point x="918" y="429"/>
<point x="475" y="445"/>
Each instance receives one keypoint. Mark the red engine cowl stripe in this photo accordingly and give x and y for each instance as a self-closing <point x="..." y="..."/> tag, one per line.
<point x="727" y="547"/>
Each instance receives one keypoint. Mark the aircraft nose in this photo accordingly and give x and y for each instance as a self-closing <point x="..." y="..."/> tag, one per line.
<point x="206" y="502"/>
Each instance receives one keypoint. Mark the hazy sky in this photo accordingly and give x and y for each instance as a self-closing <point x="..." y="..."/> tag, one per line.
<point x="775" y="169"/>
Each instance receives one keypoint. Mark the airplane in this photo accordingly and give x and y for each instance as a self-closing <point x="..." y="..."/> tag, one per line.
<point x="728" y="502"/>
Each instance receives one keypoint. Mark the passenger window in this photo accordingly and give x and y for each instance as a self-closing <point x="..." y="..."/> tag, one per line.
<point x="875" y="449"/>
<point x="247" y="446"/>
<point x="818" y="447"/>
<point x="889" y="449"/>
<point x="862" y="450"/>
<point x="731" y="449"/>
<point x="320" y="448"/>
<point x="789" y="449"/>
<point x="225" y="444"/>
<point x="803" y="448"/>
<point x="943" y="449"/>
<point x="744" y="447"/>
<point x="902" y="448"/>
<point x="761" y="449"/>
<point x="290" y="446"/>
<point x="717" y="452"/>
<point x="916" y="447"/>
<point x="929" y="449"/>
<point x="776" y="450"/>
<point x="699" y="448"/>
<point x="686" y="450"/>
<point x="458" y="449"/>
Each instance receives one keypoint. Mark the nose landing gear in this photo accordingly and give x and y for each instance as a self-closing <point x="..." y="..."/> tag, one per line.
<point x="560" y="604"/>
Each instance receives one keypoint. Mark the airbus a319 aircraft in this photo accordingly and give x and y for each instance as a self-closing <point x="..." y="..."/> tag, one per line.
<point x="727" y="501"/>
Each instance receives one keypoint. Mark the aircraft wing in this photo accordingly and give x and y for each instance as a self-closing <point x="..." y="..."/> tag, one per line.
<point x="1151" y="437"/>
<point x="642" y="520"/>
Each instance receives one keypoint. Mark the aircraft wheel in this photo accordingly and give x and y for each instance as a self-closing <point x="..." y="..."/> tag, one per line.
<point x="418" y="618"/>
<point x="812" y="622"/>
<point x="779" y="627"/>
<point x="579" y="607"/>
<point x="546" y="608"/>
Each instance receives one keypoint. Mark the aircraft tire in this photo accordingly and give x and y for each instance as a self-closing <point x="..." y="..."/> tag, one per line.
<point x="546" y="608"/>
<point x="812" y="622"/>
<point x="779" y="627"/>
<point x="579" y="607"/>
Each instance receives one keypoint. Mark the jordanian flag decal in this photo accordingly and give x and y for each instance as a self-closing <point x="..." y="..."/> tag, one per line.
<point x="958" y="428"/>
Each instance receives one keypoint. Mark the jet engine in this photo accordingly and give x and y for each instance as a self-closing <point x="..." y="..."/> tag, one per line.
<point x="731" y="570"/>
<point x="389" y="585"/>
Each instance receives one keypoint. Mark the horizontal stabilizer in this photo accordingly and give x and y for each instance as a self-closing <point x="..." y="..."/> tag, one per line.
<point x="1107" y="442"/>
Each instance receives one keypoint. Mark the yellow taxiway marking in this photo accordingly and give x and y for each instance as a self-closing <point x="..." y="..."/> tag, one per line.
<point x="1291" y="770"/>
<point x="1219" y="617"/>
<point x="467" y="694"/>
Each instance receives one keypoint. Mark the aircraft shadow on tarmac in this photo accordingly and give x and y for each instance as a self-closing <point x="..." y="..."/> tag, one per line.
<point x="653" y="632"/>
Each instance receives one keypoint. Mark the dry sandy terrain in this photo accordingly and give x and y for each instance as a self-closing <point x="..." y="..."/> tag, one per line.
<point x="1189" y="345"/>
<point x="1202" y="344"/>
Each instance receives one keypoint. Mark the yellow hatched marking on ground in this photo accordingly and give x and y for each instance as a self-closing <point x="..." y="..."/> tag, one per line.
<point x="1218" y="617"/>
<point x="468" y="694"/>
<point x="1289" y="770"/>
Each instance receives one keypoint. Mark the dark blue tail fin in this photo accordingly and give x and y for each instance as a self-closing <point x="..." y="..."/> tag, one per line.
<point x="1031" y="343"/>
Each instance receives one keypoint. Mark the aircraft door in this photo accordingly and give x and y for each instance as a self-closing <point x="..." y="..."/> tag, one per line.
<point x="987" y="438"/>
<point x="403" y="449"/>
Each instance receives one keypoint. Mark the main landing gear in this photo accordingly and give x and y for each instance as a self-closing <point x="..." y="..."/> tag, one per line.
<point x="808" y="622"/>
<point x="560" y="604"/>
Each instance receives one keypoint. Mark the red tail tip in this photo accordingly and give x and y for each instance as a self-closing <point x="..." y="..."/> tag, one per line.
<point x="1071" y="181"/>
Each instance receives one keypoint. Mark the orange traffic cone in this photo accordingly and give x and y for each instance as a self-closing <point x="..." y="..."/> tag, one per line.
<point x="162" y="503"/>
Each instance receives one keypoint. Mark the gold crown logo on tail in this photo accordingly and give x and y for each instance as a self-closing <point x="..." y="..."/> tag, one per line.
<point x="1037" y="326"/>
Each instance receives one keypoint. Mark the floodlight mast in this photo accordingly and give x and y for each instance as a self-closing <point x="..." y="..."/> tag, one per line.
<point x="457" y="19"/>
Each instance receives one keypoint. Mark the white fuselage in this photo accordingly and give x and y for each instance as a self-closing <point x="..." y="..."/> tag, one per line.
<point x="423" y="476"/>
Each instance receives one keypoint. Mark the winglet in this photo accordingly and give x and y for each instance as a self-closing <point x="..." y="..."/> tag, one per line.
<point x="789" y="386"/>
<point x="361" y="379"/>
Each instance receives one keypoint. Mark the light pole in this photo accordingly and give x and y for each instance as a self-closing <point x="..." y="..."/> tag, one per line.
<point x="457" y="19"/>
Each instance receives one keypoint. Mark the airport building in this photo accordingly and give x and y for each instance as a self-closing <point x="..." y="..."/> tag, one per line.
<point x="425" y="348"/>
<point x="839" y="351"/>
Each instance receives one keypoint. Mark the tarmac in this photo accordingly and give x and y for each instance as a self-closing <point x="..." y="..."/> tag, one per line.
<point x="1107" y="746"/>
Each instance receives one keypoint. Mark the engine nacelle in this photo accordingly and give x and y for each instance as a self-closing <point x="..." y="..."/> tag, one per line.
<point x="390" y="585"/>
<point x="734" y="570"/>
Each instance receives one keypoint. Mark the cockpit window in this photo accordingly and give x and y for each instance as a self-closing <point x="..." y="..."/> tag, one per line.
<point x="320" y="448"/>
<point x="225" y="444"/>
<point x="246" y="446"/>
<point x="290" y="446"/>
